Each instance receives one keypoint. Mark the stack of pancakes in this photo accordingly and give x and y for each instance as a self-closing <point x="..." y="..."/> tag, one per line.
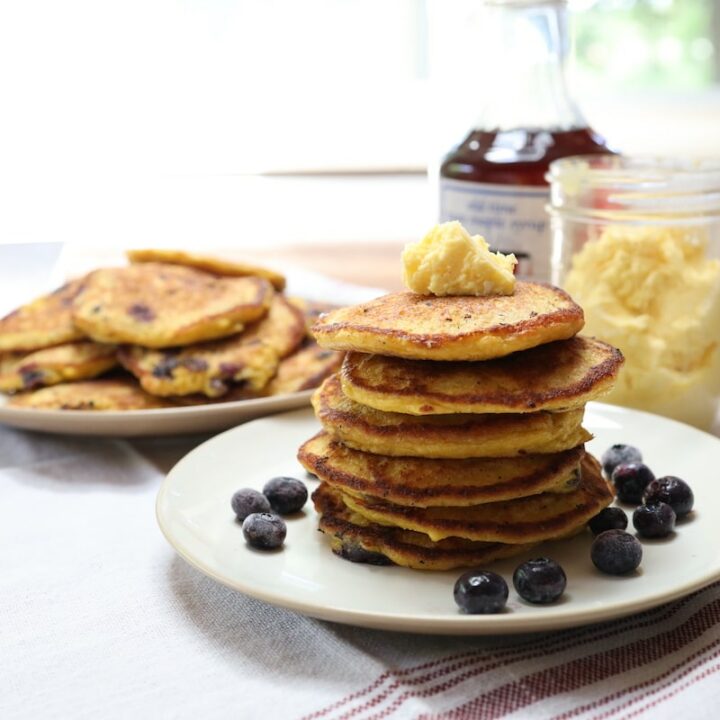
<point x="452" y="435"/>
<point x="185" y="329"/>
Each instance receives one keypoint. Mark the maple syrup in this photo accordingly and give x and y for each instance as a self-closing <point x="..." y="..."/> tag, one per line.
<point x="494" y="180"/>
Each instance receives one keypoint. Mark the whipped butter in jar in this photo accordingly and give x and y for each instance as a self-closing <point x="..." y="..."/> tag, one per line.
<point x="636" y="242"/>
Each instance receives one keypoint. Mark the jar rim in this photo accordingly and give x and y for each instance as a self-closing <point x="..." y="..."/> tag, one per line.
<point x="624" y="172"/>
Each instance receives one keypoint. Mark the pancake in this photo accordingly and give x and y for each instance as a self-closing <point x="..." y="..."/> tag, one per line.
<point x="72" y="361"/>
<point x="44" y="322"/>
<point x="312" y="310"/>
<point x="558" y="376"/>
<point x="422" y="482"/>
<point x="158" y="305"/>
<point x="524" y="520"/>
<point x="210" y="368"/>
<point x="425" y="327"/>
<point x="101" y="395"/>
<point x="444" y="436"/>
<point x="213" y="265"/>
<point x="355" y="539"/>
<point x="283" y="328"/>
<point x="306" y="368"/>
<point x="213" y="368"/>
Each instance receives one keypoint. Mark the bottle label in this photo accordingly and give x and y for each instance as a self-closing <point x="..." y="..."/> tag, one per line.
<point x="511" y="218"/>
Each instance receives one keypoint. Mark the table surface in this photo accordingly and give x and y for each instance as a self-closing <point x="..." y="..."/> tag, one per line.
<point x="99" y="618"/>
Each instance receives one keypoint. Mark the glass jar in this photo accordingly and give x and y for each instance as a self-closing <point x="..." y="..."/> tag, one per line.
<point x="636" y="242"/>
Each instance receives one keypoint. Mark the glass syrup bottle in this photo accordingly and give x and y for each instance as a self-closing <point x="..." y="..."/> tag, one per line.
<point x="494" y="180"/>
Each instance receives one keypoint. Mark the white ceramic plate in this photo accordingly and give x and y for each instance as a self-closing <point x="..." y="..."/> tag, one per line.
<point x="193" y="509"/>
<point x="160" y="421"/>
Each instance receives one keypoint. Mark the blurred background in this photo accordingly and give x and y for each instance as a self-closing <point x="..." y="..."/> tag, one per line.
<point x="198" y="122"/>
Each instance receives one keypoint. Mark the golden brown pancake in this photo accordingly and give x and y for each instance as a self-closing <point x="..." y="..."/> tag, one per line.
<point x="422" y="482"/>
<point x="72" y="361"/>
<point x="213" y="265"/>
<point x="559" y="376"/>
<point x="207" y="368"/>
<point x="312" y="310"/>
<point x="357" y="540"/>
<point x="158" y="305"/>
<point x="524" y="520"/>
<point x="44" y="322"/>
<point x="422" y="327"/>
<point x="444" y="436"/>
<point x="211" y="368"/>
<point x="101" y="395"/>
<point x="303" y="370"/>
<point x="306" y="368"/>
<point x="283" y="328"/>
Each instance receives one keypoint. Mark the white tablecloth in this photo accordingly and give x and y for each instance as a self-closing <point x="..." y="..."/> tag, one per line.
<point x="100" y="619"/>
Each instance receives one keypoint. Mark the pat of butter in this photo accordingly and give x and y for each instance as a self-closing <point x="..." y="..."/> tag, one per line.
<point x="449" y="261"/>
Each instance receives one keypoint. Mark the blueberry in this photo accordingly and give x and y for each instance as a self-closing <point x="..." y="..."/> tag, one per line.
<point x="673" y="491"/>
<point x="479" y="591"/>
<point x="616" y="552"/>
<point x="247" y="501"/>
<point x="609" y="518"/>
<point x="264" y="531"/>
<point x="539" y="581"/>
<point x="354" y="552"/>
<point x="654" y="521"/>
<point x="619" y="455"/>
<point x="286" y="495"/>
<point x="630" y="481"/>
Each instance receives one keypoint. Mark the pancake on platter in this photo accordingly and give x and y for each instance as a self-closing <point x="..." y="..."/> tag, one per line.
<point x="159" y="305"/>
<point x="312" y="310"/>
<point x="558" y="376"/>
<point x="355" y="539"/>
<point x="305" y="369"/>
<point x="423" y="327"/>
<point x="525" y="520"/>
<point x="50" y="366"/>
<point x="283" y="328"/>
<point x="44" y="322"/>
<point x="444" y="436"/>
<point x="102" y="395"/>
<point x="423" y="482"/>
<point x="213" y="265"/>
<point x="211" y="368"/>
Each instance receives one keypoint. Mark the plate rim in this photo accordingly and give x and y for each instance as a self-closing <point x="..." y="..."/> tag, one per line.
<point x="156" y="412"/>
<point x="182" y="420"/>
<point x="502" y="623"/>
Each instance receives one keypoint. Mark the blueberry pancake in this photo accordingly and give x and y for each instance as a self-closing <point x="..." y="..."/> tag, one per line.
<point x="283" y="328"/>
<point x="102" y="395"/>
<point x="423" y="482"/>
<point x="558" y="376"/>
<point x="532" y="519"/>
<point x="445" y="436"/>
<point x="250" y="358"/>
<point x="306" y="368"/>
<point x="45" y="322"/>
<point x="356" y="539"/>
<point x="425" y="327"/>
<point x="159" y="305"/>
<point x="312" y="310"/>
<point x="215" y="266"/>
<point x="62" y="363"/>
